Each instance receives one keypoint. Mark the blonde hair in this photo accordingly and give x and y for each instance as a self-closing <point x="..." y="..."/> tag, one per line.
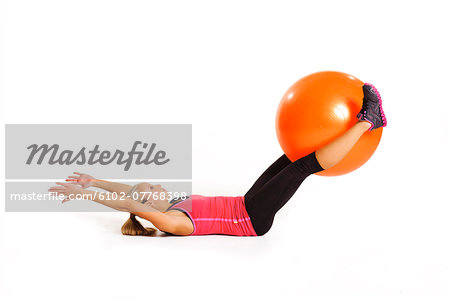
<point x="133" y="227"/>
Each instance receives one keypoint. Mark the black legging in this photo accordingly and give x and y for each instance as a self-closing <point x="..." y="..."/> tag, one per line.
<point x="275" y="187"/>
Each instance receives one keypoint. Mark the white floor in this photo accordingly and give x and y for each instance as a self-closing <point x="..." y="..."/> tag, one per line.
<point x="380" y="246"/>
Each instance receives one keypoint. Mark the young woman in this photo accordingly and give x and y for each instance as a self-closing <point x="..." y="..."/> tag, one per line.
<point x="248" y="215"/>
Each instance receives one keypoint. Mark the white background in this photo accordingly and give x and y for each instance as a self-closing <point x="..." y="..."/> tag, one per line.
<point x="379" y="232"/>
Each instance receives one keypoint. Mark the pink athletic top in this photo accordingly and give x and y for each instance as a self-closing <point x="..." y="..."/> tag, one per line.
<point x="224" y="215"/>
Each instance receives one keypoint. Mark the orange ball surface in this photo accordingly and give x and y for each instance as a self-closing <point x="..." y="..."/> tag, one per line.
<point x="316" y="110"/>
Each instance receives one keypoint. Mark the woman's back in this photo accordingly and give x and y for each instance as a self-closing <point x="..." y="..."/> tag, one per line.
<point x="217" y="215"/>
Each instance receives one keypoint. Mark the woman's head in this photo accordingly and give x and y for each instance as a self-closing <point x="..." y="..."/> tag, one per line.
<point x="152" y="195"/>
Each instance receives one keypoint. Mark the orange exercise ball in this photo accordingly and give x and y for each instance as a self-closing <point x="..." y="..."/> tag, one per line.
<point x="319" y="108"/>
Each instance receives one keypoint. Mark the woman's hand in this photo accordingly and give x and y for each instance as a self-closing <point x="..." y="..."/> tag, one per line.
<point x="66" y="189"/>
<point x="82" y="179"/>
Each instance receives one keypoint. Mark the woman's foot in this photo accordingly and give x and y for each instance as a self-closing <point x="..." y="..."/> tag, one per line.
<point x="372" y="109"/>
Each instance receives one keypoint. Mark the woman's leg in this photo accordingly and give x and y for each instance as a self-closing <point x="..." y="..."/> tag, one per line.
<point x="275" y="193"/>
<point x="328" y="155"/>
<point x="265" y="203"/>
<point x="270" y="172"/>
<point x="335" y="151"/>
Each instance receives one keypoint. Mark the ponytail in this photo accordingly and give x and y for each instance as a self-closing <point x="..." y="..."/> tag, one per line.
<point x="133" y="227"/>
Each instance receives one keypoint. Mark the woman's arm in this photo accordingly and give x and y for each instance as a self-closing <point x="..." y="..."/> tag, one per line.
<point x="85" y="181"/>
<point x="118" y="188"/>
<point x="71" y="192"/>
<point x="174" y="224"/>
